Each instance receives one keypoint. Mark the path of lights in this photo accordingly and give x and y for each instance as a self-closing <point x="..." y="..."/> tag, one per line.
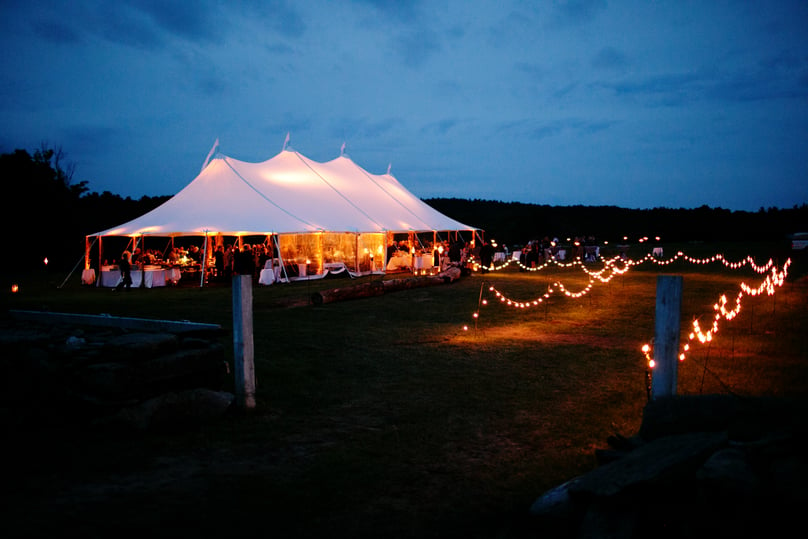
<point x="611" y="267"/>
<point x="769" y="286"/>
<point x="610" y="263"/>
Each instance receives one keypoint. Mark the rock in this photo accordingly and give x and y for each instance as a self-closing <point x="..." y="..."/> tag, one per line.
<point x="712" y="466"/>
<point x="172" y="411"/>
<point x="140" y="346"/>
<point x="658" y="461"/>
<point x="69" y="375"/>
<point x="555" y="503"/>
<point x="727" y="473"/>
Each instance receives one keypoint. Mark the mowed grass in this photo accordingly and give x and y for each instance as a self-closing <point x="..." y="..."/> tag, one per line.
<point x="404" y="415"/>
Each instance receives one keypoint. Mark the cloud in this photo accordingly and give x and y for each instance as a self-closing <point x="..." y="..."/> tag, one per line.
<point x="399" y="11"/>
<point x="609" y="58"/>
<point x="440" y="127"/>
<point x="56" y="31"/>
<point x="575" y="12"/>
<point x="667" y="89"/>
<point x="196" y="22"/>
<point x="540" y="130"/>
<point x="415" y="46"/>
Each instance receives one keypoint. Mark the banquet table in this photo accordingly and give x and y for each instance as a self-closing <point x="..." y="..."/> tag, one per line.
<point x="399" y="260"/>
<point x="173" y="275"/>
<point x="424" y="261"/>
<point x="499" y="256"/>
<point x="657" y="252"/>
<point x="88" y="276"/>
<point x="149" y="276"/>
<point x="269" y="275"/>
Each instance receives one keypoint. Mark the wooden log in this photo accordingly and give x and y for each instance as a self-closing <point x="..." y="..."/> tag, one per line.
<point x="394" y="285"/>
<point x="365" y="290"/>
<point x="451" y="274"/>
<point x="377" y="288"/>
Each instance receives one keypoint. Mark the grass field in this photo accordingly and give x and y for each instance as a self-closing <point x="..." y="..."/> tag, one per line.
<point x="385" y="417"/>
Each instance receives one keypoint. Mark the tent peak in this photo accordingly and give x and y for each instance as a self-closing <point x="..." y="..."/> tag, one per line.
<point x="213" y="150"/>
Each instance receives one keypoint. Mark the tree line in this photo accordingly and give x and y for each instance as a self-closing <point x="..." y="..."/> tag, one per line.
<point x="49" y="215"/>
<point x="518" y="223"/>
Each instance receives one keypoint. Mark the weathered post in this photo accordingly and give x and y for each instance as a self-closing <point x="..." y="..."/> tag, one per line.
<point x="666" y="338"/>
<point x="243" y="349"/>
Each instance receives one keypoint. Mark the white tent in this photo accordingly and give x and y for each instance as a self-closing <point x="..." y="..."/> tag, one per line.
<point x="287" y="196"/>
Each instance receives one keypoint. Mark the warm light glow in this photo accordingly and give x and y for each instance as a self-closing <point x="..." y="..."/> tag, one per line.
<point x="15" y="288"/>
<point x="619" y="266"/>
<point x="46" y="261"/>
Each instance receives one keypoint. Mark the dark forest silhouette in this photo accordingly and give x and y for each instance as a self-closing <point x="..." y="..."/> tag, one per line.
<point x="49" y="215"/>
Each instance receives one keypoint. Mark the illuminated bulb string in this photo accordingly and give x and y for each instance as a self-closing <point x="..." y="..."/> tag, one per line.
<point x="611" y="268"/>
<point x="769" y="286"/>
<point x="611" y="262"/>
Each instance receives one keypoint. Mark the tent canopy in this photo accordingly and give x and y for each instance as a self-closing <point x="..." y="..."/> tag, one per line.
<point x="287" y="194"/>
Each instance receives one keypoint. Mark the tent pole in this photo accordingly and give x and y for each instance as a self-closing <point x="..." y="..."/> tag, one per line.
<point x="280" y="258"/>
<point x="204" y="261"/>
<point x="100" y="259"/>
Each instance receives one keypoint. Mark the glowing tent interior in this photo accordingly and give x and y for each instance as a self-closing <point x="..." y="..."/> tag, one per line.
<point x="314" y="217"/>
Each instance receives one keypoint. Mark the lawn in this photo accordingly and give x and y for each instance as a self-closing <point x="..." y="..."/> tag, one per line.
<point x="403" y="415"/>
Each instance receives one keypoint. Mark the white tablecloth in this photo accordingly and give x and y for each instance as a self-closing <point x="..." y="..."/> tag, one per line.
<point x="657" y="251"/>
<point x="173" y="275"/>
<point x="153" y="278"/>
<point x="335" y="267"/>
<point x="424" y="261"/>
<point x="499" y="256"/>
<point x="399" y="262"/>
<point x="269" y="276"/>
<point x="88" y="276"/>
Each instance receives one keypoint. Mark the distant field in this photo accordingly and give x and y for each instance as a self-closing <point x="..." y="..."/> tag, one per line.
<point x="385" y="417"/>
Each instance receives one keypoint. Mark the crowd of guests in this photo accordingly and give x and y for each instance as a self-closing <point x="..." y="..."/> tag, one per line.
<point x="537" y="252"/>
<point x="249" y="260"/>
<point x="225" y="261"/>
<point x="444" y="253"/>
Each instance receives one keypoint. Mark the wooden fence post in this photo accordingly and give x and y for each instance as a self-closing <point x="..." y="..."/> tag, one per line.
<point x="243" y="349"/>
<point x="666" y="337"/>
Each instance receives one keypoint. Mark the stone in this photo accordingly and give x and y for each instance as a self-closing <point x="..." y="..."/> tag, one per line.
<point x="177" y="410"/>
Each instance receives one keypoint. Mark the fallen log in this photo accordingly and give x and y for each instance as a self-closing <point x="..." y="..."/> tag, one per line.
<point x="364" y="290"/>
<point x="377" y="288"/>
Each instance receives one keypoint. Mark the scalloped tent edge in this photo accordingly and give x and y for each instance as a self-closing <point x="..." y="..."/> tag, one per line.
<point x="288" y="194"/>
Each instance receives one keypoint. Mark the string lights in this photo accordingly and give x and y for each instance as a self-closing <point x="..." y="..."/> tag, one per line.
<point x="619" y="265"/>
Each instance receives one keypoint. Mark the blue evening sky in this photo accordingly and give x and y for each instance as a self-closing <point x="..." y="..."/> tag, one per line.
<point x="638" y="104"/>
